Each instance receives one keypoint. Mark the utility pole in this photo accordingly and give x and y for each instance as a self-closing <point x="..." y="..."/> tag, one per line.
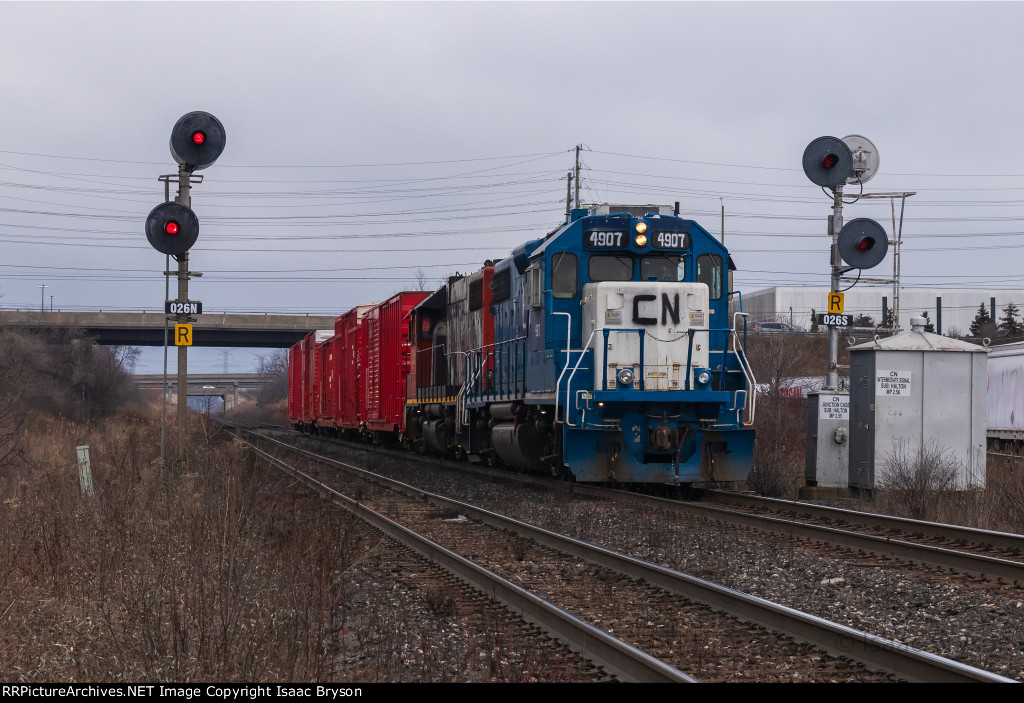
<point x="568" y="196"/>
<point x="578" y="147"/>
<point x="721" y="200"/>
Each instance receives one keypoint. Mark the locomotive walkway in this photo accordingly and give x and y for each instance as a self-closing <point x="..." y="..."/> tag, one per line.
<point x="146" y="329"/>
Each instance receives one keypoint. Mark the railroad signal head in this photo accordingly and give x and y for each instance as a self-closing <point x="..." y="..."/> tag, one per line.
<point x="172" y="228"/>
<point x="197" y="140"/>
<point x="828" y="162"/>
<point x="863" y="243"/>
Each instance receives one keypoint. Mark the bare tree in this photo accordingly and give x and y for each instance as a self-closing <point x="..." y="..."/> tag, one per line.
<point x="914" y="478"/>
<point x="273" y="371"/>
<point x="777" y="359"/>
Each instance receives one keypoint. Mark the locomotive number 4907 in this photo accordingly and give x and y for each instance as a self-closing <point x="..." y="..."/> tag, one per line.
<point x="671" y="240"/>
<point x="604" y="240"/>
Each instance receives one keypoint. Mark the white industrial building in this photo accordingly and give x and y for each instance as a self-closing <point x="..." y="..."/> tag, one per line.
<point x="949" y="309"/>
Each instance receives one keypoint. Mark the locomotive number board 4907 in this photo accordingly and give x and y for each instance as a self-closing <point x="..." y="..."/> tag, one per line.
<point x="605" y="240"/>
<point x="833" y="320"/>
<point x="670" y="240"/>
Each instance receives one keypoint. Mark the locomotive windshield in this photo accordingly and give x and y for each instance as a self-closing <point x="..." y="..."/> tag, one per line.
<point x="611" y="267"/>
<point x="709" y="270"/>
<point x="663" y="267"/>
<point x="563" y="275"/>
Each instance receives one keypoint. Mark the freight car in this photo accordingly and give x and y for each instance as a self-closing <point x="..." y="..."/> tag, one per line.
<point x="601" y="352"/>
<point x="1006" y="392"/>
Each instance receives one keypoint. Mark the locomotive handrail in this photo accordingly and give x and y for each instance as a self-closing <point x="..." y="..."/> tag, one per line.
<point x="502" y="369"/>
<point x="568" y="383"/>
<point x="614" y="425"/>
<point x="568" y="349"/>
<point x="748" y="373"/>
<point x="460" y="396"/>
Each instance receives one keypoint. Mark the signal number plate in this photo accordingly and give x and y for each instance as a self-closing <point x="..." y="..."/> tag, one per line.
<point x="173" y="307"/>
<point x="833" y="320"/>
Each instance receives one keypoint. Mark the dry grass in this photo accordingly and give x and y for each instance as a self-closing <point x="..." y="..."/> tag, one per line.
<point x="215" y="573"/>
<point x="999" y="506"/>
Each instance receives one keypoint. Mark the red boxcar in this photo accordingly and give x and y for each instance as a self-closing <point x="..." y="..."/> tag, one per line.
<point x="303" y="394"/>
<point x="387" y="361"/>
<point x="348" y="371"/>
<point x="295" y="392"/>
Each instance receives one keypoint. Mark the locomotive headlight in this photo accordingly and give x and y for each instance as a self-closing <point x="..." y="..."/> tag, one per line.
<point x="641" y="239"/>
<point x="625" y="377"/>
<point x="703" y="378"/>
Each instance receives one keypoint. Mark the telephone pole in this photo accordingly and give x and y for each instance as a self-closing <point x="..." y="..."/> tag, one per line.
<point x="578" y="147"/>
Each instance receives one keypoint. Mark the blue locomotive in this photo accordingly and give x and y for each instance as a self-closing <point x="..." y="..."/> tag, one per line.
<point x="602" y="352"/>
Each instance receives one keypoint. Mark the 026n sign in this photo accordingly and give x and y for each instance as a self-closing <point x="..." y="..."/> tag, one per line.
<point x="173" y="307"/>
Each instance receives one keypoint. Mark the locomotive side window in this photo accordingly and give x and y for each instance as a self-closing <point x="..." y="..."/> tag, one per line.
<point x="534" y="289"/>
<point x="611" y="267"/>
<point x="563" y="275"/>
<point x="663" y="267"/>
<point x="709" y="270"/>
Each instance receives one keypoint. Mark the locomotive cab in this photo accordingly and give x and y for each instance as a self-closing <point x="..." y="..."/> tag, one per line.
<point x="631" y="373"/>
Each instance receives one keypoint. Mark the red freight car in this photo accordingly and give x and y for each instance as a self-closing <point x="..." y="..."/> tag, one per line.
<point x="328" y="420"/>
<point x="303" y="394"/>
<point x="295" y="393"/>
<point x="387" y="362"/>
<point x="346" y="403"/>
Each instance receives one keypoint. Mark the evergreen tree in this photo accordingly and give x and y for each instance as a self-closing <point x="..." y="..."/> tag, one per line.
<point x="814" y="320"/>
<point x="1009" y="324"/>
<point x="981" y="321"/>
<point x="888" y="320"/>
<point x="863" y="321"/>
<point x="928" y="326"/>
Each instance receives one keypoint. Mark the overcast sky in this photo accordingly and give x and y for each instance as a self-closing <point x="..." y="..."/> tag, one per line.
<point x="375" y="146"/>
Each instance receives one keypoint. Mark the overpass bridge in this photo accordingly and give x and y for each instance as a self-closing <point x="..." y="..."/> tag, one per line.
<point x="231" y="388"/>
<point x="146" y="329"/>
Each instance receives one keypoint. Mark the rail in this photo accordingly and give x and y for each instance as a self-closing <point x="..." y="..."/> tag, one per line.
<point x="617" y="657"/>
<point x="877" y="652"/>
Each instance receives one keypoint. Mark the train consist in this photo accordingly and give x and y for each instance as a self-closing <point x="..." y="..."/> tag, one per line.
<point x="602" y="352"/>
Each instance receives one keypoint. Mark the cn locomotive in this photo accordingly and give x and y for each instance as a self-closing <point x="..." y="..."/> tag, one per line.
<point x="602" y="352"/>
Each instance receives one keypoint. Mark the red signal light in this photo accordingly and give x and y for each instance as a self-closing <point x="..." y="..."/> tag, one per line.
<point x="198" y="137"/>
<point x="171" y="227"/>
<point x="829" y="161"/>
<point x="866" y="243"/>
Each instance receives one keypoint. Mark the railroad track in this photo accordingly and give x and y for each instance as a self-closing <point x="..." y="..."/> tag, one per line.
<point x="984" y="553"/>
<point x="647" y="586"/>
<point x="967" y="549"/>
